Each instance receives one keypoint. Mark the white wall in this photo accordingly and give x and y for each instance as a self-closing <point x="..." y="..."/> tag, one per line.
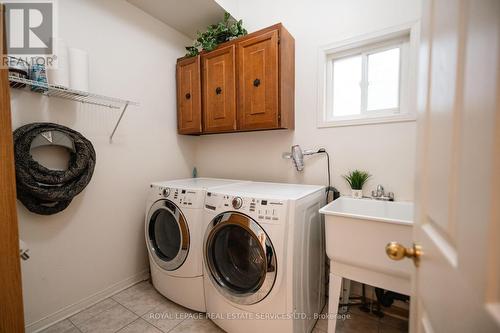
<point x="230" y="6"/>
<point x="387" y="151"/>
<point x="97" y="244"/>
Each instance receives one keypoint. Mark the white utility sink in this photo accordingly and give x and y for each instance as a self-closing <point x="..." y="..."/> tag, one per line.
<point x="357" y="231"/>
<point x="399" y="212"/>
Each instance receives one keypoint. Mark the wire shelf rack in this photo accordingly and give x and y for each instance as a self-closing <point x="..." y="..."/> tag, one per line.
<point x="57" y="91"/>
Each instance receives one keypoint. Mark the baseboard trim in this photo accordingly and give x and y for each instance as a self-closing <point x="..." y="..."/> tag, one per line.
<point x="74" y="308"/>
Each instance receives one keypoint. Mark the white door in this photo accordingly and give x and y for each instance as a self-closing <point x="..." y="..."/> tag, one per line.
<point x="457" y="284"/>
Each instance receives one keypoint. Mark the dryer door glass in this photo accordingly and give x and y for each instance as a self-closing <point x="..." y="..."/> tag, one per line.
<point x="165" y="234"/>
<point x="168" y="235"/>
<point x="240" y="258"/>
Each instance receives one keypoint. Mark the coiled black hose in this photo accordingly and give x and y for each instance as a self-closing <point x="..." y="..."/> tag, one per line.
<point x="45" y="191"/>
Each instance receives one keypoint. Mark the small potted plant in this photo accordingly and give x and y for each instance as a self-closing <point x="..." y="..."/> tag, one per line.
<point x="356" y="180"/>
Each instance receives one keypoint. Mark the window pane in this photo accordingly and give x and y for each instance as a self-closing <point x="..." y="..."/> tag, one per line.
<point x="383" y="80"/>
<point x="346" y="86"/>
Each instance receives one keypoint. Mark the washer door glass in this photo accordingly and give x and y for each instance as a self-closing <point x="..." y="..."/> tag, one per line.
<point x="240" y="258"/>
<point x="168" y="235"/>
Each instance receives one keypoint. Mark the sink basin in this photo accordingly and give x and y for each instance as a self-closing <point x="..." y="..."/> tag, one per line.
<point x="357" y="231"/>
<point x="368" y="209"/>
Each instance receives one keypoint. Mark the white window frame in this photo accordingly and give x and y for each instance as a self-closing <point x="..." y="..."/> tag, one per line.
<point x="406" y="37"/>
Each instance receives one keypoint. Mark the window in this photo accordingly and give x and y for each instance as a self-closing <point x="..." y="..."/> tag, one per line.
<point x="367" y="81"/>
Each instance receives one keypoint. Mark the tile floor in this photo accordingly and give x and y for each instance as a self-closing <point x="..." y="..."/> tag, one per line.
<point x="358" y="321"/>
<point x="140" y="309"/>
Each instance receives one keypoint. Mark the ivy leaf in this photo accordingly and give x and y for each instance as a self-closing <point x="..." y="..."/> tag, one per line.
<point x="218" y="33"/>
<point x="192" y="51"/>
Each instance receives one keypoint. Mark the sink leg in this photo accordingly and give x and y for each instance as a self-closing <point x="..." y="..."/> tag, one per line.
<point x="345" y="293"/>
<point x="333" y="301"/>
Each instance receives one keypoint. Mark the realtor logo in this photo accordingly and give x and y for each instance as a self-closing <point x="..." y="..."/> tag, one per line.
<point x="29" y="27"/>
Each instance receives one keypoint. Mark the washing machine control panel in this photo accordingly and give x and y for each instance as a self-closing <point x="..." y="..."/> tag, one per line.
<point x="183" y="198"/>
<point x="260" y="209"/>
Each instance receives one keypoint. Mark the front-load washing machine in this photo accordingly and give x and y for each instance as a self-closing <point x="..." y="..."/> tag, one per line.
<point x="264" y="257"/>
<point x="174" y="235"/>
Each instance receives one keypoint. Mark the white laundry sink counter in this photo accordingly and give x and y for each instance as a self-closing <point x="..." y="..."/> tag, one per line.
<point x="399" y="212"/>
<point x="357" y="232"/>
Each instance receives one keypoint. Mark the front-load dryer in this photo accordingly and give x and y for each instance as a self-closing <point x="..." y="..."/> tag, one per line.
<point x="174" y="235"/>
<point x="264" y="257"/>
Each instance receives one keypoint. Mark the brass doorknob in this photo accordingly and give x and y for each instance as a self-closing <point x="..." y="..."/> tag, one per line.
<point x="396" y="251"/>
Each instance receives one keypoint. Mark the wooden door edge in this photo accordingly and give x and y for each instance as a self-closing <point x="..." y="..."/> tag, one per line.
<point x="11" y="304"/>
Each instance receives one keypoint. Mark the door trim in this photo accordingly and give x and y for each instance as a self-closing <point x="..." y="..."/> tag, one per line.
<point x="11" y="304"/>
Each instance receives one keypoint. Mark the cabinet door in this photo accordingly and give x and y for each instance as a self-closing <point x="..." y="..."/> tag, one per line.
<point x="258" y="82"/>
<point x="189" y="96"/>
<point x="219" y="90"/>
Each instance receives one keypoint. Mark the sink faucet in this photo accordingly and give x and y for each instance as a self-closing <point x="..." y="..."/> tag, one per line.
<point x="380" y="194"/>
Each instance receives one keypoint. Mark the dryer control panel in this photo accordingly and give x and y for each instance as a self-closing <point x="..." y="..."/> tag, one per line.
<point x="184" y="198"/>
<point x="260" y="209"/>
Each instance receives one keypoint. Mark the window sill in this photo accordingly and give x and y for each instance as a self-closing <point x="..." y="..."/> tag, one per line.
<point x="367" y="121"/>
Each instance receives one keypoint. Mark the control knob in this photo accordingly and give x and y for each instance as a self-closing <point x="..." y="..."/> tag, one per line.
<point x="237" y="203"/>
<point x="166" y="192"/>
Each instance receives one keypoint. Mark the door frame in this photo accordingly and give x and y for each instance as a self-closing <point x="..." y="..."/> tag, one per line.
<point x="11" y="305"/>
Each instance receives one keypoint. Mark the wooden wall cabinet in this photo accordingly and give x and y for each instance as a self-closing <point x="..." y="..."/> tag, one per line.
<point x="219" y="90"/>
<point x="189" y="96"/>
<point x="247" y="84"/>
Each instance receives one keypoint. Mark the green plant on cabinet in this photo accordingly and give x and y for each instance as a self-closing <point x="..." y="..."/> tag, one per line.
<point x="216" y="34"/>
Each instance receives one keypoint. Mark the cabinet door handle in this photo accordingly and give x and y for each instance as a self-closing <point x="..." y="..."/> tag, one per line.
<point x="218" y="90"/>
<point x="188" y="96"/>
<point x="256" y="82"/>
